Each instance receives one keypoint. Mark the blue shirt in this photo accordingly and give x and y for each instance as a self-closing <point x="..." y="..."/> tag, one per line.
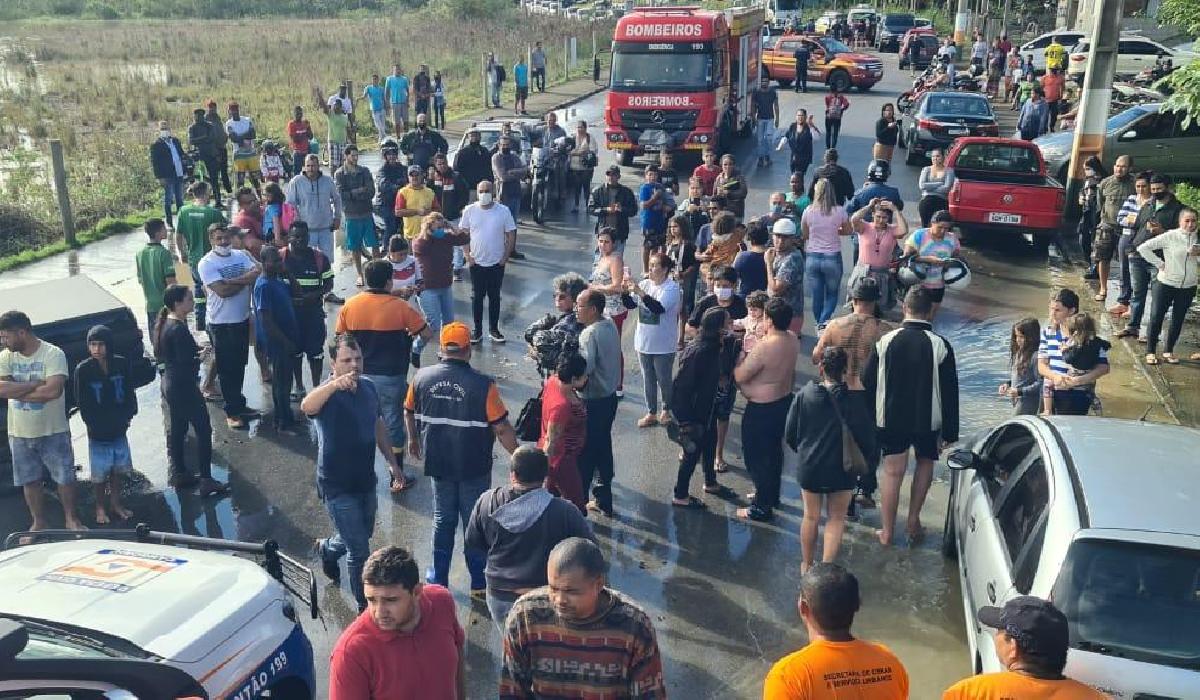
<point x="397" y="88"/>
<point x="521" y="75"/>
<point x="752" y="272"/>
<point x="375" y="94"/>
<point x="870" y="191"/>
<point x="274" y="296"/>
<point x="653" y="219"/>
<point x="346" y="441"/>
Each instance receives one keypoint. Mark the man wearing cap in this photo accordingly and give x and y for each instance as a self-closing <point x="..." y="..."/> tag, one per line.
<point x="785" y="270"/>
<point x="357" y="190"/>
<point x="473" y="160"/>
<point x="454" y="415"/>
<point x="203" y="137"/>
<point x="413" y="202"/>
<point x="1032" y="639"/>
<point x="222" y="142"/>
<point x="613" y="204"/>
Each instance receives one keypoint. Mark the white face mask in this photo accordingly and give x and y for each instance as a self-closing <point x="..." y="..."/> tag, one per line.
<point x="221" y="249"/>
<point x="485" y="198"/>
<point x="165" y="133"/>
<point x="723" y="293"/>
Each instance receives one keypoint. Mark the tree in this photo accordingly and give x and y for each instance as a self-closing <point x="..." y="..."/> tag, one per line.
<point x="1185" y="81"/>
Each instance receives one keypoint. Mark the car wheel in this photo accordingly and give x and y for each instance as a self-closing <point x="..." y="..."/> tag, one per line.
<point x="840" y="80"/>
<point x="784" y="82"/>
<point x="911" y="157"/>
<point x="949" y="545"/>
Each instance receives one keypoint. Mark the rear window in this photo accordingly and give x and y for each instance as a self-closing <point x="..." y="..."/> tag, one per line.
<point x="1132" y="601"/>
<point x="958" y="106"/>
<point x="898" y="20"/>
<point x="998" y="157"/>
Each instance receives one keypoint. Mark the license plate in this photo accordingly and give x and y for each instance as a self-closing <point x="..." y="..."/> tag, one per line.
<point x="958" y="132"/>
<point x="1000" y="218"/>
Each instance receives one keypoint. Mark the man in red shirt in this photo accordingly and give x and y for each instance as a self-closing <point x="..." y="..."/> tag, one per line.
<point x="299" y="134"/>
<point x="707" y="172"/>
<point x="1052" y="86"/>
<point x="407" y="644"/>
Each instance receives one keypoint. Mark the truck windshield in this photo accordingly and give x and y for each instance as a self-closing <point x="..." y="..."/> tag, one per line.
<point x="647" y="72"/>
<point x="786" y="5"/>
<point x="834" y="47"/>
<point x="1132" y="601"/>
<point x="999" y="157"/>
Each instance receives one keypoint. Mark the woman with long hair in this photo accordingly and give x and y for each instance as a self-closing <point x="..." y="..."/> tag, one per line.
<point x="1024" y="385"/>
<point x="176" y="349"/>
<point x="657" y="334"/>
<point x="608" y="278"/>
<point x="434" y="250"/>
<point x="819" y="414"/>
<point x="273" y="229"/>
<point x="887" y="131"/>
<point x="822" y="226"/>
<point x="581" y="165"/>
<point x="934" y="183"/>
<point x="681" y="249"/>
<point x="564" y="422"/>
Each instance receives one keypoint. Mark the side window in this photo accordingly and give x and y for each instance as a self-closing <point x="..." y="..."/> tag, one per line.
<point x="1142" y="48"/>
<point x="1022" y="509"/>
<point x="1154" y="126"/>
<point x="1191" y="132"/>
<point x="1005" y="452"/>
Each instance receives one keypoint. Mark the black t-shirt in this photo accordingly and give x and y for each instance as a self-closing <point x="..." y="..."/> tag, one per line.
<point x="736" y="309"/>
<point x="180" y="355"/>
<point x="346" y="441"/>
<point x="765" y="102"/>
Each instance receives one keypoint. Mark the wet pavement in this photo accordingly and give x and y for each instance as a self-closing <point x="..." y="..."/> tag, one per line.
<point x="722" y="593"/>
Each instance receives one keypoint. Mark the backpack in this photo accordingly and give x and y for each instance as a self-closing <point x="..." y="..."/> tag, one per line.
<point x="501" y="76"/>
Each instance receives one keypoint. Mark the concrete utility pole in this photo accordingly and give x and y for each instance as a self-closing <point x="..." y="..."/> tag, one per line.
<point x="1097" y="92"/>
<point x="59" y="167"/>
<point x="962" y="20"/>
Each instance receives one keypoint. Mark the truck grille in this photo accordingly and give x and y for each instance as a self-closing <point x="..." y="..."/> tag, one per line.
<point x="667" y="120"/>
<point x="873" y="66"/>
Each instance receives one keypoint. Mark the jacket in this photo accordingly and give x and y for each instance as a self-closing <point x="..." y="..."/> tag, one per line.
<point x="107" y="400"/>
<point x="1166" y="216"/>
<point x="202" y="138"/>
<point x="800" y="143"/>
<point x="161" y="161"/>
<point x="694" y="389"/>
<point x="1113" y="193"/>
<point x="449" y="192"/>
<point x="420" y="145"/>
<point x="317" y="202"/>
<point x="843" y="184"/>
<point x="912" y="376"/>
<point x="388" y="180"/>
<point x="474" y="163"/>
<point x="603" y="197"/>
<point x="356" y="189"/>
<point x="450" y="404"/>
<point x="1174" y="246"/>
<point x="517" y="528"/>
<point x="731" y="192"/>
<point x="814" y="431"/>
<point x="1028" y="383"/>
<point x="508" y="171"/>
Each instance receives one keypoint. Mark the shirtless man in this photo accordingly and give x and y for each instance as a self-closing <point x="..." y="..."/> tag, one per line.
<point x="766" y="378"/>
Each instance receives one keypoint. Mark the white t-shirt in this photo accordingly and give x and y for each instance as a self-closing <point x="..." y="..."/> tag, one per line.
<point x="347" y="104"/>
<point x="657" y="334"/>
<point x="214" y="268"/>
<point x="239" y="128"/>
<point x="487" y="227"/>
<point x="27" y="419"/>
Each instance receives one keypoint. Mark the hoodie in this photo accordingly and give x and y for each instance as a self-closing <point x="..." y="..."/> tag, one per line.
<point x="517" y="527"/>
<point x="317" y="201"/>
<point x="107" y="400"/>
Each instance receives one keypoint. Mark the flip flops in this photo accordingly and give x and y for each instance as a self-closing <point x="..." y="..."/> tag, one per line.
<point x="404" y="485"/>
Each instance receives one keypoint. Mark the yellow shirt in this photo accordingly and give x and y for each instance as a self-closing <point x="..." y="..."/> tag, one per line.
<point x="411" y="198"/>
<point x="28" y="419"/>
<point x="824" y="670"/>
<point x="1009" y="685"/>
<point x="1055" y="55"/>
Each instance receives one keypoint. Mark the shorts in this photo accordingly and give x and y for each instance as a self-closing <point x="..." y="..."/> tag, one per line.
<point x="312" y="332"/>
<point x="360" y="233"/>
<point x="925" y="445"/>
<point x="724" y="401"/>
<point x="522" y="93"/>
<point x="936" y="294"/>
<point x="109" y="457"/>
<point x="653" y="239"/>
<point x="400" y="112"/>
<point x="1104" y="243"/>
<point x="33" y="457"/>
<point x="246" y="164"/>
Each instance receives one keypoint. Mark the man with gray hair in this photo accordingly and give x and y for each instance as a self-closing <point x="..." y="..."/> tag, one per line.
<point x="600" y="345"/>
<point x="576" y="637"/>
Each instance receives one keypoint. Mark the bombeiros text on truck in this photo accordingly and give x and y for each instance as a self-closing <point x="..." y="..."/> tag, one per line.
<point x="681" y="79"/>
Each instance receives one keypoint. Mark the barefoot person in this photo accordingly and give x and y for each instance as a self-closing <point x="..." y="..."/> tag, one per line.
<point x="913" y="378"/>
<point x="766" y="377"/>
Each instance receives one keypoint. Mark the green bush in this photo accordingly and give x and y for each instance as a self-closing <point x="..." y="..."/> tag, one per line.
<point x="1188" y="194"/>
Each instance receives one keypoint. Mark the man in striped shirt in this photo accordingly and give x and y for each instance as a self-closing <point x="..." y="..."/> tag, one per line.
<point x="1073" y="393"/>
<point x="577" y="638"/>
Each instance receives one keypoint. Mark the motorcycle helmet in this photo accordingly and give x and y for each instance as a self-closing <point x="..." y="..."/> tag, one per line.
<point x="389" y="146"/>
<point x="878" y="170"/>
<point x="908" y="273"/>
<point x="956" y="273"/>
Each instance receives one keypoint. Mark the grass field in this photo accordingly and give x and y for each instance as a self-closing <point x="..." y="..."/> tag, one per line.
<point x="102" y="86"/>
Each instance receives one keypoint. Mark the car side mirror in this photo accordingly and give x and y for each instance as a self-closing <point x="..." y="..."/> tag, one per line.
<point x="1129" y="135"/>
<point x="962" y="460"/>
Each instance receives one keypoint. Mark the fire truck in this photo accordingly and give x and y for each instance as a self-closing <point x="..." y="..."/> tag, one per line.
<point x="681" y="79"/>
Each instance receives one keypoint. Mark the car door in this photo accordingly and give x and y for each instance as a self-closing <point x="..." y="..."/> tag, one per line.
<point x="816" y="60"/>
<point x="1149" y="141"/>
<point x="1134" y="55"/>
<point x="1185" y="149"/>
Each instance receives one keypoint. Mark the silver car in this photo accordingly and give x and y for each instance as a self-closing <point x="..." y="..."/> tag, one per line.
<point x="1101" y="516"/>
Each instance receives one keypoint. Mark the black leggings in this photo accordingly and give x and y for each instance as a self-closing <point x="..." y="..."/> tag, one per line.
<point x="929" y="205"/>
<point x="486" y="281"/>
<point x="833" y="127"/>
<point x="1177" y="299"/>
<point x="185" y="406"/>
<point x="705" y="454"/>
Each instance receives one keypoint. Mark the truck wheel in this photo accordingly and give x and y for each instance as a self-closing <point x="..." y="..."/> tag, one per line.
<point x="784" y="82"/>
<point x="839" y="79"/>
<point x="626" y="158"/>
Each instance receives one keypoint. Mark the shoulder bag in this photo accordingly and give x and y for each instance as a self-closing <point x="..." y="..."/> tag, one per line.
<point x="529" y="421"/>
<point x="853" y="460"/>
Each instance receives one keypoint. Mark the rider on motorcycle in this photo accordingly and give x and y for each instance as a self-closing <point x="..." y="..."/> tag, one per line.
<point x="390" y="177"/>
<point x="875" y="187"/>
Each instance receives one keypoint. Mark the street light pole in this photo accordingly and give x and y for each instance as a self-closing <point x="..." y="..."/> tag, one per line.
<point x="1091" y="121"/>
<point x="962" y="19"/>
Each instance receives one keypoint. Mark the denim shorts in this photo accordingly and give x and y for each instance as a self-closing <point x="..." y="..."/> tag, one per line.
<point x="724" y="401"/>
<point x="33" y="457"/>
<point x="109" y="457"/>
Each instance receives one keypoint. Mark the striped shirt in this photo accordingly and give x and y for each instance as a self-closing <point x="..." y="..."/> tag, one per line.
<point x="1130" y="206"/>
<point x="1050" y="350"/>
<point x="614" y="654"/>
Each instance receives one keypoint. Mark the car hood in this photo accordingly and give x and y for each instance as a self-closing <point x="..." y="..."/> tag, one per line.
<point x="1054" y="146"/>
<point x="169" y="601"/>
<point x="859" y="57"/>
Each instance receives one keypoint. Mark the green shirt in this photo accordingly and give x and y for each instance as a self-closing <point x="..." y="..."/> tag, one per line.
<point x="798" y="202"/>
<point x="192" y="223"/>
<point x="154" y="266"/>
<point x="337" y="127"/>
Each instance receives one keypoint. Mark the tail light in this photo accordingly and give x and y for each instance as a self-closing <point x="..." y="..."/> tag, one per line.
<point x="929" y="125"/>
<point x="1060" y="202"/>
<point x="956" y="193"/>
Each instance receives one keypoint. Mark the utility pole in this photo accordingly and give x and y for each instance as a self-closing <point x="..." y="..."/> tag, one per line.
<point x="58" y="164"/>
<point x="1097" y="92"/>
<point x="962" y="20"/>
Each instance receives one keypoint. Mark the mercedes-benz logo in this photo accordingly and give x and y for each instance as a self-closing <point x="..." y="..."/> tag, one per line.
<point x="657" y="116"/>
<point x="1007" y="199"/>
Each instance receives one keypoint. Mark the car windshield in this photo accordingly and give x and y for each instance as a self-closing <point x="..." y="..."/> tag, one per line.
<point x="55" y="642"/>
<point x="998" y="157"/>
<point x="660" y="71"/>
<point x="1119" y="121"/>
<point x="1132" y="601"/>
<point x="833" y="46"/>
<point x="899" y="21"/>
<point x="787" y="5"/>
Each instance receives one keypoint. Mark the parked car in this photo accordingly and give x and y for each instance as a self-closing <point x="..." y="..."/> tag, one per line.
<point x="1134" y="54"/>
<point x="1037" y="46"/>
<point x="830" y="63"/>
<point x="1001" y="185"/>
<point x="1055" y="507"/>
<point x="929" y="47"/>
<point x="489" y="136"/>
<point x="1156" y="140"/>
<point x="893" y="26"/>
<point x="937" y="119"/>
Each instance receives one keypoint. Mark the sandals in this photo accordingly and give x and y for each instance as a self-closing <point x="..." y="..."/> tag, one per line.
<point x="692" y="503"/>
<point x="721" y="466"/>
<point x="404" y="485"/>
<point x="1151" y="359"/>
<point x="1100" y="297"/>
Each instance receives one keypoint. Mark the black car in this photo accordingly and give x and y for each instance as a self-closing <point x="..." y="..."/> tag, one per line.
<point x="938" y="118"/>
<point x="929" y="48"/>
<point x="892" y="29"/>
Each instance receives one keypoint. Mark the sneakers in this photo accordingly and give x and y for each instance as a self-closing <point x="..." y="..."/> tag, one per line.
<point x="496" y="336"/>
<point x="332" y="298"/>
<point x="235" y="422"/>
<point x="458" y="275"/>
<point x="476" y="337"/>
<point x="647" y="421"/>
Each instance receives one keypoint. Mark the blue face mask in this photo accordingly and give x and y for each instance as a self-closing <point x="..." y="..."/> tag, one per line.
<point x="438" y="233"/>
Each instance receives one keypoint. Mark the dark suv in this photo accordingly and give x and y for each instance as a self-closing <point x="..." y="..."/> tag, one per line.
<point x="891" y="29"/>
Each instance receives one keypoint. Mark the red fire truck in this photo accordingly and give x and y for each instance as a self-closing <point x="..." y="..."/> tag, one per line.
<point x="681" y="79"/>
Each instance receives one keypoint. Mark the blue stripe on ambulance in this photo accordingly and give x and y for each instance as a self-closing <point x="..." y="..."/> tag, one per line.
<point x="291" y="659"/>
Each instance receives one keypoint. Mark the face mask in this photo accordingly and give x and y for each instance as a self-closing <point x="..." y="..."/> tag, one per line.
<point x="165" y="133"/>
<point x="505" y="149"/>
<point x="777" y="209"/>
<point x="723" y="293"/>
<point x="421" y="127"/>
<point x="438" y="233"/>
<point x="485" y="198"/>
<point x="1161" y="196"/>
<point x="221" y="249"/>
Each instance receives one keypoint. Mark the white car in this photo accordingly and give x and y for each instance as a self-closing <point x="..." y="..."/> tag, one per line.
<point x="1134" y="54"/>
<point x="1037" y="46"/>
<point x="226" y="621"/>
<point x="1101" y="517"/>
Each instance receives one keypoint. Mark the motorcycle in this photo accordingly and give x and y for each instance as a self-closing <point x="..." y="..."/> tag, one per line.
<point x="548" y="167"/>
<point x="920" y="86"/>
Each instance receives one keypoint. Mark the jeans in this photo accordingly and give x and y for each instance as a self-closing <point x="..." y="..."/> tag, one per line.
<point x="762" y="445"/>
<point x="833" y="127"/>
<point x="762" y="135"/>
<point x="539" y="78"/>
<point x="353" y="516"/>
<point x="438" y="307"/>
<point x="499" y="604"/>
<point x="322" y="240"/>
<point x="185" y="406"/>
<point x="705" y="453"/>
<point x="1123" y="256"/>
<point x="513" y="202"/>
<point x="210" y="165"/>
<point x="1140" y="273"/>
<point x="823" y="271"/>
<point x="579" y="182"/>
<point x="297" y="162"/>
<point x="802" y="78"/>
<point x="391" y="225"/>
<point x="1177" y="299"/>
<point x="656" y="376"/>
<point x="439" y="113"/>
<point x="380" y="120"/>
<point x="223" y="168"/>
<point x="486" y="281"/>
<point x="391" y="389"/>
<point x="231" y="345"/>
<point x="452" y="504"/>
<point x="494" y="91"/>
<point x="596" y="460"/>
<point x="172" y="194"/>
<point x="281" y="387"/>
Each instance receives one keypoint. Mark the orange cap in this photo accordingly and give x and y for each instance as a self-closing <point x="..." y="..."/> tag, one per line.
<point x="455" y="336"/>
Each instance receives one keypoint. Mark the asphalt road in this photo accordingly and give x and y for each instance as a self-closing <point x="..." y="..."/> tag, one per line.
<point x="722" y="593"/>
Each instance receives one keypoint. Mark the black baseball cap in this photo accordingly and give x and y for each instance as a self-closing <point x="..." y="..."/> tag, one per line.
<point x="613" y="169"/>
<point x="865" y="289"/>
<point x="1038" y="628"/>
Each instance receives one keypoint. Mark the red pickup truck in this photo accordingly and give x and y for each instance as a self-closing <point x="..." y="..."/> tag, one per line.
<point x="1001" y="184"/>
